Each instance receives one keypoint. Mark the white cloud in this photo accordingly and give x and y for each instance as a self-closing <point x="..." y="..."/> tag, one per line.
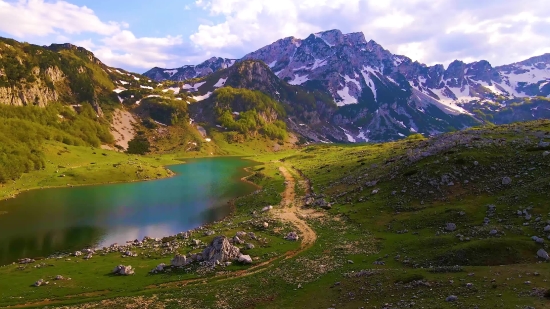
<point x="116" y="45"/>
<point x="30" y="18"/>
<point x="125" y="49"/>
<point x="430" y="31"/>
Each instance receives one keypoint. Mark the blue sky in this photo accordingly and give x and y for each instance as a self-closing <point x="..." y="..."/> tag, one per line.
<point x="138" y="34"/>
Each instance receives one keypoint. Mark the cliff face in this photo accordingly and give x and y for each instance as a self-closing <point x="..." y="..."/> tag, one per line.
<point x="34" y="93"/>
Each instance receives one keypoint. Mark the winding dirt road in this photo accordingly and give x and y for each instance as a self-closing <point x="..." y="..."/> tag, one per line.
<point x="290" y="210"/>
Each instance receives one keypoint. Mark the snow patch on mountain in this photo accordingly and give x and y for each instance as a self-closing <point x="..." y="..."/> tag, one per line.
<point x="175" y="89"/>
<point x="220" y="83"/>
<point x="194" y="87"/>
<point x="202" y="97"/>
<point x="171" y="72"/>
<point x="347" y="98"/>
<point x="318" y="35"/>
<point x="299" y="79"/>
<point x="349" y="137"/>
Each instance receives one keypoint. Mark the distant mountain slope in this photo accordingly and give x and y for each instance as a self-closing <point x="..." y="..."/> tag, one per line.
<point x="308" y="112"/>
<point x="190" y="71"/>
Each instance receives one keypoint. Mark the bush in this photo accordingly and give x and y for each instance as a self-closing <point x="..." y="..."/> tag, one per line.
<point x="139" y="145"/>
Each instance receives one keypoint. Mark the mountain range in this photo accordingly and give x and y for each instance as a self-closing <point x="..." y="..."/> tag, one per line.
<point x="330" y="87"/>
<point x="382" y="96"/>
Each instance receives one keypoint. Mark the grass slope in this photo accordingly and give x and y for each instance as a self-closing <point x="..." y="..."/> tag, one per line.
<point x="381" y="237"/>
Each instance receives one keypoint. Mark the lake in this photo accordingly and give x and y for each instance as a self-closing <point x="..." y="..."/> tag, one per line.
<point x="39" y="223"/>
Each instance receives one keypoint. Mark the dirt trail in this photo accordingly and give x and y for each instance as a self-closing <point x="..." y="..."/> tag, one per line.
<point x="290" y="211"/>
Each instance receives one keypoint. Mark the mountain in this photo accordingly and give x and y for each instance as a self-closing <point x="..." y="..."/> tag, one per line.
<point x="189" y="71"/>
<point x="64" y="73"/>
<point x="309" y="112"/>
<point x="382" y="96"/>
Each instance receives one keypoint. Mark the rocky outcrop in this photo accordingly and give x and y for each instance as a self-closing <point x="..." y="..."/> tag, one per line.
<point x="179" y="260"/>
<point x="28" y="94"/>
<point x="220" y="250"/>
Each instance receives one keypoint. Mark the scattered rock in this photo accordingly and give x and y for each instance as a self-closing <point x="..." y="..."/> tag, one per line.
<point x="543" y="254"/>
<point x="26" y="261"/>
<point x="451" y="298"/>
<point x="267" y="208"/>
<point x="159" y="268"/>
<point x="59" y="277"/>
<point x="123" y="270"/>
<point x="506" y="180"/>
<point x="39" y="282"/>
<point x="249" y="246"/>
<point x="292" y="236"/>
<point x="179" y="260"/>
<point x="245" y="259"/>
<point x="450" y="227"/>
<point x="265" y="225"/>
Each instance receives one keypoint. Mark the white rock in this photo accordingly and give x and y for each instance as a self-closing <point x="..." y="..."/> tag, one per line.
<point x="245" y="259"/>
<point x="179" y="260"/>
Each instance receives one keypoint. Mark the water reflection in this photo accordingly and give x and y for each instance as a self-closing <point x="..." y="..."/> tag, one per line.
<point x="41" y="222"/>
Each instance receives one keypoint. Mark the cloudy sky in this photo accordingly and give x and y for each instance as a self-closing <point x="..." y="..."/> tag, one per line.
<point x="139" y="34"/>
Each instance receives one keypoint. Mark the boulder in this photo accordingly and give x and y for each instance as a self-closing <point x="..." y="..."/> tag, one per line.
<point x="547" y="228"/>
<point x="159" y="268"/>
<point x="265" y="225"/>
<point x="220" y="250"/>
<point x="179" y="260"/>
<point x="26" y="261"/>
<point x="292" y="236"/>
<point x="245" y="259"/>
<point x="451" y="298"/>
<point x="267" y="208"/>
<point x="59" y="277"/>
<point x="450" y="227"/>
<point x="77" y="253"/>
<point x="123" y="270"/>
<point x="237" y="240"/>
<point x="506" y="180"/>
<point x="241" y="234"/>
<point x="39" y="282"/>
<point x="543" y="254"/>
<point x="493" y="232"/>
<point x="249" y="246"/>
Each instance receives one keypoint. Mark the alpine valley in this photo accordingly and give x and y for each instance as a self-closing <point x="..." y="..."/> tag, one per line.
<point x="323" y="172"/>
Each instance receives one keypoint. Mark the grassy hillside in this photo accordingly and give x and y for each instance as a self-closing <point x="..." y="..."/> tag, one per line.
<point x="399" y="224"/>
<point x="25" y="129"/>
